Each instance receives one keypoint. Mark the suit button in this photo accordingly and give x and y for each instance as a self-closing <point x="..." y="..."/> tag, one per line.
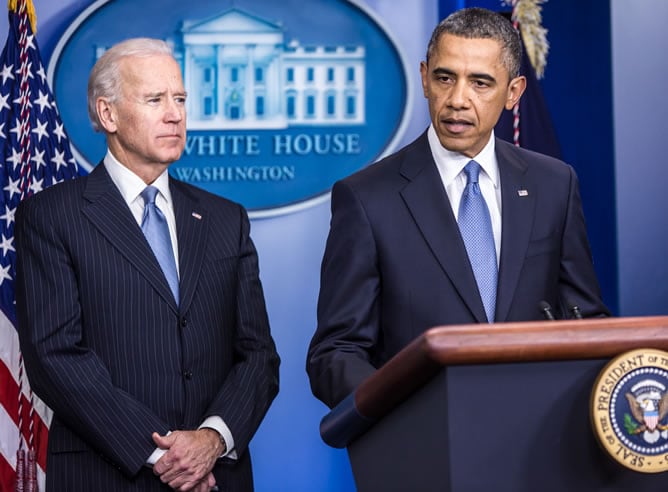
<point x="188" y="375"/>
<point x="184" y="322"/>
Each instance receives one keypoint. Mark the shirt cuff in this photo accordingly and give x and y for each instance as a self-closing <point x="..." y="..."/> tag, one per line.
<point x="216" y="423"/>
<point x="156" y="454"/>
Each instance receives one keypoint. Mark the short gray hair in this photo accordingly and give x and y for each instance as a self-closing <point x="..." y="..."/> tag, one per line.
<point x="479" y="23"/>
<point x="105" y="77"/>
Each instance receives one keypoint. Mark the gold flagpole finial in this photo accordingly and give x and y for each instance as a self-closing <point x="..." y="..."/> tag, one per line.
<point x="12" y="5"/>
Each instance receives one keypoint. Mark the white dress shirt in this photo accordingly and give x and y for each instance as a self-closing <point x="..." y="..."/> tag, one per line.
<point x="451" y="169"/>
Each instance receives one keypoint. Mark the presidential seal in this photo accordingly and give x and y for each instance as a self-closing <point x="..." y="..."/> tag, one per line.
<point x="629" y="410"/>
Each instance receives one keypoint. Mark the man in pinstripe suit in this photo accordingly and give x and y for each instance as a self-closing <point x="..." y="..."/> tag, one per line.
<point x="149" y="391"/>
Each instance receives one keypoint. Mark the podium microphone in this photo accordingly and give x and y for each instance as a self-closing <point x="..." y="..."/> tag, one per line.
<point x="546" y="310"/>
<point x="576" y="312"/>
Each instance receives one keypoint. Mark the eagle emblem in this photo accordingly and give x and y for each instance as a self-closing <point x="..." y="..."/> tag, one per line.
<point x="648" y="402"/>
<point x="629" y="410"/>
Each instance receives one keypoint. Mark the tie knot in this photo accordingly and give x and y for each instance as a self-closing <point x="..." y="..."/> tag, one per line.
<point x="149" y="194"/>
<point x="472" y="171"/>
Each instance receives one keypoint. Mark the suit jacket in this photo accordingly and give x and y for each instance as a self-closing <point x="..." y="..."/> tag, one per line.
<point x="108" y="349"/>
<point x="395" y="264"/>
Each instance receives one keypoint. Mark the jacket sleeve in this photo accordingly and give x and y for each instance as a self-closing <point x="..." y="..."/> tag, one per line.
<point x="340" y="353"/>
<point x="578" y="285"/>
<point x="252" y="382"/>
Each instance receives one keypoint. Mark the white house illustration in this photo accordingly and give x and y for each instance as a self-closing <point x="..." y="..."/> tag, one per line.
<point x="240" y="73"/>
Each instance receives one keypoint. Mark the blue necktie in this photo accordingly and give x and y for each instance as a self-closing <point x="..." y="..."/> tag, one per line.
<point x="475" y="226"/>
<point x="155" y="228"/>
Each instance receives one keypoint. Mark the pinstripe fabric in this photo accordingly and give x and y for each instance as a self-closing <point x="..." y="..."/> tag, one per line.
<point x="109" y="351"/>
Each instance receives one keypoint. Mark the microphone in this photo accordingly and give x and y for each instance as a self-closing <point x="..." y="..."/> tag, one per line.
<point x="546" y="310"/>
<point x="576" y="312"/>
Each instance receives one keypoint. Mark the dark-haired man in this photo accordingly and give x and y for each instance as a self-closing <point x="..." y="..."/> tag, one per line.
<point x="457" y="227"/>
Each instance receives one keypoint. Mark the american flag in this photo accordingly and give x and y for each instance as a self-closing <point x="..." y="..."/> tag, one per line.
<point x="34" y="154"/>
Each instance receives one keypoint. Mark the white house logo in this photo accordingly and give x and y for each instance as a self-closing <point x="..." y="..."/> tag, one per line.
<point x="629" y="409"/>
<point x="284" y="98"/>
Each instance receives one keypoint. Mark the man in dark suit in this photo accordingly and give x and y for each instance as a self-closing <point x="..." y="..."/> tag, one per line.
<point x="155" y="355"/>
<point x="402" y="257"/>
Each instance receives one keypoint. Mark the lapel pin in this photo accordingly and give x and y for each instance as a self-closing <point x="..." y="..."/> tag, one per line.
<point x="522" y="192"/>
<point x="197" y="216"/>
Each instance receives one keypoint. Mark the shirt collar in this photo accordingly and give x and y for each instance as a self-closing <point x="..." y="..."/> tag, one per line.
<point x="129" y="184"/>
<point x="451" y="164"/>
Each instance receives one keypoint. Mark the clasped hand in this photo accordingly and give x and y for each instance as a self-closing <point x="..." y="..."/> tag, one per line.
<point x="189" y="459"/>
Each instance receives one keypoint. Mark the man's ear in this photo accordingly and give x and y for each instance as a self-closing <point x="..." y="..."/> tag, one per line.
<point x="424" y="76"/>
<point x="515" y="90"/>
<point x="106" y="113"/>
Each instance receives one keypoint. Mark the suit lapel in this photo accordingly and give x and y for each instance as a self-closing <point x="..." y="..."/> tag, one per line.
<point x="191" y="226"/>
<point x="428" y="203"/>
<point x="519" y="202"/>
<point x="109" y="213"/>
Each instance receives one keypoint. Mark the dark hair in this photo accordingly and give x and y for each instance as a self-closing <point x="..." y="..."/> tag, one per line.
<point x="478" y="23"/>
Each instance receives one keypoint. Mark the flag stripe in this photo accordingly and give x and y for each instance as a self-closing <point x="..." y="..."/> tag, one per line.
<point x="9" y="433"/>
<point x="7" y="474"/>
<point x="9" y="349"/>
<point x="10" y="391"/>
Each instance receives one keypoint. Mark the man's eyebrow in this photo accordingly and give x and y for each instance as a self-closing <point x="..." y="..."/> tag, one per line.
<point x="477" y="76"/>
<point x="482" y="76"/>
<point x="442" y="71"/>
<point x="154" y="94"/>
<point x="162" y="93"/>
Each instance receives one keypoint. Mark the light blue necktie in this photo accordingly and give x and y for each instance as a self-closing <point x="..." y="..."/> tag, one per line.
<point x="475" y="226"/>
<point x="155" y="228"/>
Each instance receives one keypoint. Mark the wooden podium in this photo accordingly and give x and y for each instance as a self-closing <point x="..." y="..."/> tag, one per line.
<point x="501" y="407"/>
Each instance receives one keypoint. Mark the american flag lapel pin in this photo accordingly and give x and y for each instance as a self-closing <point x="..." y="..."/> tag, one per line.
<point x="522" y="193"/>
<point x="197" y="216"/>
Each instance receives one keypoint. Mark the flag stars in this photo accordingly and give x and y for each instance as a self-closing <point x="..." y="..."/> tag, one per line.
<point x="59" y="159"/>
<point x="16" y="129"/>
<point x="8" y="216"/>
<point x="41" y="73"/>
<point x="30" y="42"/>
<point x="38" y="158"/>
<point x="37" y="185"/>
<point x="42" y="101"/>
<point x="6" y="73"/>
<point x="3" y="101"/>
<point x="7" y="244"/>
<point x="4" y="274"/>
<point x="12" y="187"/>
<point x="15" y="158"/>
<point x="59" y="131"/>
<point x="23" y="89"/>
<point x="40" y="130"/>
